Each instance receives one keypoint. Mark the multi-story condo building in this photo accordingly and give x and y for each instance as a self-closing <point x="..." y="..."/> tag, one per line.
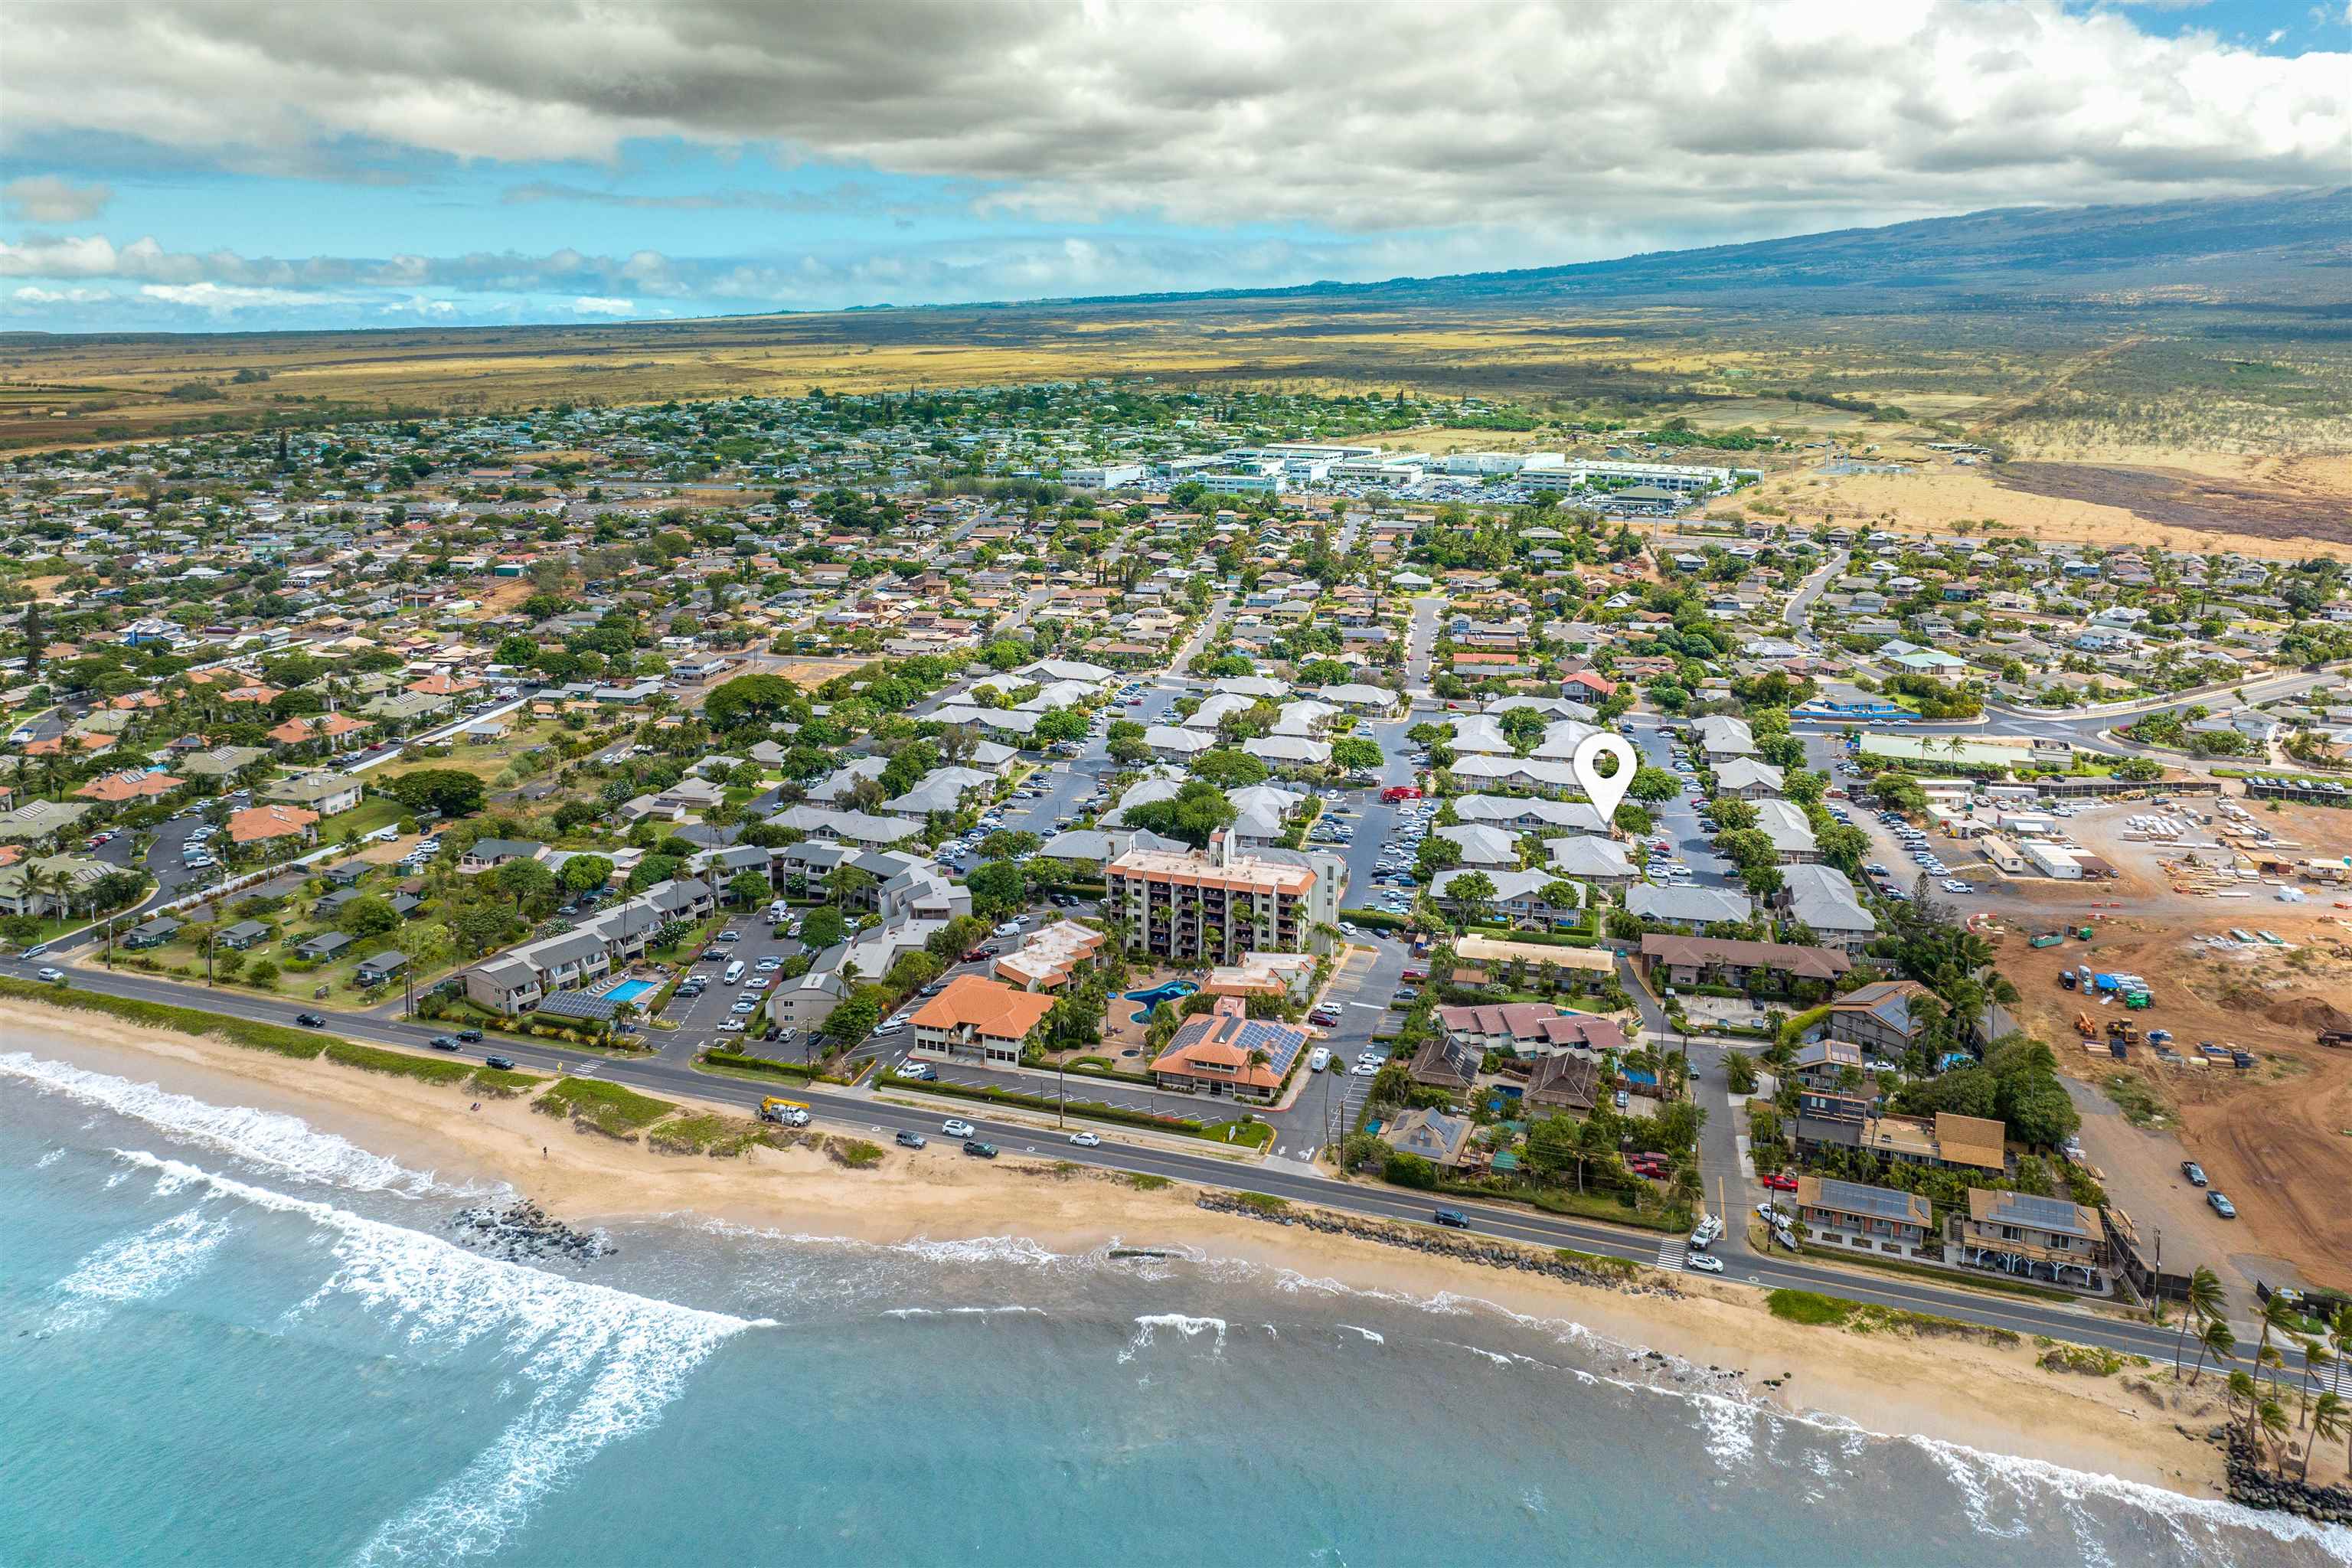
<point x="1215" y="905"/>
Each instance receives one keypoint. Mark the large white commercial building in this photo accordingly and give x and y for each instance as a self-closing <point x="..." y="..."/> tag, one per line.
<point x="1683" y="478"/>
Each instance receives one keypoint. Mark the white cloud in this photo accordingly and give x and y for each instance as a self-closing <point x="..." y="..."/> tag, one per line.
<point x="31" y="295"/>
<point x="221" y="298"/>
<point x="595" y="305"/>
<point x="1579" y="128"/>
<point x="45" y="198"/>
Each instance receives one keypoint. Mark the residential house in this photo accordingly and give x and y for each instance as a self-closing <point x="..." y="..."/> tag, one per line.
<point x="1225" y="1053"/>
<point x="979" y="1021"/>
<point x="1874" y="1219"/>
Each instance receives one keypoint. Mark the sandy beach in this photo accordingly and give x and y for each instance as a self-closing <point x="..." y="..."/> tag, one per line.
<point x="1996" y="1399"/>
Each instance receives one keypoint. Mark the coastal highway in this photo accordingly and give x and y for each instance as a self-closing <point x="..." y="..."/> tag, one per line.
<point x="859" y="1112"/>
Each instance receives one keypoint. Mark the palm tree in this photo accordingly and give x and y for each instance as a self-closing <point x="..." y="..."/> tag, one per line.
<point x="2206" y="1303"/>
<point x="2331" y="1419"/>
<point x="2222" y="1344"/>
<point x="2270" y="1416"/>
<point x="2339" y="1338"/>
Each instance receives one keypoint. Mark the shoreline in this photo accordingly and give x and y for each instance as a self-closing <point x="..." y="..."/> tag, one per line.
<point x="2132" y="1425"/>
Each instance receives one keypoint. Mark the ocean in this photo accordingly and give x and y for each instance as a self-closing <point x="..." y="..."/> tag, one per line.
<point x="233" y="1338"/>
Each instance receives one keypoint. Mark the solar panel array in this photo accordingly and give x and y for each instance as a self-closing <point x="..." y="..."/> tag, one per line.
<point x="1879" y="1203"/>
<point x="2042" y="1214"/>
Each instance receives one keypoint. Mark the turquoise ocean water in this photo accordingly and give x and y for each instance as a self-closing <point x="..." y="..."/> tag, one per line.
<point x="228" y="1338"/>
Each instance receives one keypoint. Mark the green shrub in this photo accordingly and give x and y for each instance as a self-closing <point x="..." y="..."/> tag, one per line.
<point x="854" y="1153"/>
<point x="277" y="1038"/>
<point x="606" y="1106"/>
<point x="1809" y="1307"/>
<point x="399" y="1064"/>
<point x="1403" y="1170"/>
<point x="496" y="1083"/>
<point x="1264" y="1203"/>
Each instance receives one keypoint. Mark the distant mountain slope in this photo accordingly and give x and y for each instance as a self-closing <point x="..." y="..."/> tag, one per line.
<point x="2288" y="247"/>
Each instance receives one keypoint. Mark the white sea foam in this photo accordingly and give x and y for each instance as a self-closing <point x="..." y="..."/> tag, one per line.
<point x="51" y="1158"/>
<point x="284" y="1145"/>
<point x="963" y="1312"/>
<point x="601" y="1363"/>
<point x="141" y="1268"/>
<point x="1190" y="1327"/>
<point x="1375" y="1338"/>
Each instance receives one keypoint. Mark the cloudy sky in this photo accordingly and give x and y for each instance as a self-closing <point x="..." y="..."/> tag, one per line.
<point x="253" y="163"/>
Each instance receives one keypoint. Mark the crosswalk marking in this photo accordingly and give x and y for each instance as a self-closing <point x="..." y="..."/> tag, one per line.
<point x="1669" y="1254"/>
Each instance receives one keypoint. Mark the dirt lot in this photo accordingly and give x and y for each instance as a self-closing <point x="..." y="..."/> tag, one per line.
<point x="2176" y="497"/>
<point x="2278" y="1138"/>
<point x="2305" y="501"/>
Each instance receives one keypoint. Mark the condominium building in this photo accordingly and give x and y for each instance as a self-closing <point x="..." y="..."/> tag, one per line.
<point x="1215" y="904"/>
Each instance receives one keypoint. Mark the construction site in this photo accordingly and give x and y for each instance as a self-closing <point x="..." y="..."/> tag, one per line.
<point x="2228" y="1044"/>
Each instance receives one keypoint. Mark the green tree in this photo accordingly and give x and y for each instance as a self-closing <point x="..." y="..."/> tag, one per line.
<point x="450" y="791"/>
<point x="1193" y="814"/>
<point x="1405" y="1170"/>
<point x="1353" y="755"/>
<point x="998" y="887"/>
<point x="366" y="916"/>
<point x="585" y="873"/>
<point x="747" y="887"/>
<point x="1228" y="769"/>
<point x="822" y="927"/>
<point x="530" y="886"/>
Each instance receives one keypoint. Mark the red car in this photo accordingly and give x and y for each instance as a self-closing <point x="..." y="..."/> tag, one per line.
<point x="1781" y="1183"/>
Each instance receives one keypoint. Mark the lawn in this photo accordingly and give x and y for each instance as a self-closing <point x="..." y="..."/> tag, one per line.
<point x="363" y="818"/>
<point x="485" y="760"/>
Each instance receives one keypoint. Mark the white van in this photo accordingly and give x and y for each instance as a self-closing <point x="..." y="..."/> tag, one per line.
<point x="777" y="911"/>
<point x="734" y="972"/>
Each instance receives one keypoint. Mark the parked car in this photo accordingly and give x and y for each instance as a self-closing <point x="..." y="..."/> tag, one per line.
<point x="980" y="1150"/>
<point x="913" y="1141"/>
<point x="2194" y="1172"/>
<point x="1781" y="1182"/>
<point x="2221" y="1206"/>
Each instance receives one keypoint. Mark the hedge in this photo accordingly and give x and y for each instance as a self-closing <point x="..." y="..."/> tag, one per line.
<point x="277" y="1038"/>
<point x="1540" y="938"/>
<point x="806" y="1072"/>
<point x="1092" y="1110"/>
<point x="1377" y="919"/>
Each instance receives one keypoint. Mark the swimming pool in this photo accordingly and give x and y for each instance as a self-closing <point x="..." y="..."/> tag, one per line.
<point x="630" y="990"/>
<point x="1166" y="991"/>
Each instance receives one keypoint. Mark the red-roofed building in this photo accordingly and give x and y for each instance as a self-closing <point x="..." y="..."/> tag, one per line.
<point x="978" y="1020"/>
<point x="263" y="823"/>
<point x="131" y="783"/>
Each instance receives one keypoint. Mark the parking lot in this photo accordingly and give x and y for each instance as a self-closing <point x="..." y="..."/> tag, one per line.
<point x="698" y="1018"/>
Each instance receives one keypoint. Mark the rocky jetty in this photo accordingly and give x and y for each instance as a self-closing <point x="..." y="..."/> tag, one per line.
<point x="1603" y="1274"/>
<point x="2256" y="1484"/>
<point x="522" y="1232"/>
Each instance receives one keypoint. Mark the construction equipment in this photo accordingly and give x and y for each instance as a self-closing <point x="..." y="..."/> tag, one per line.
<point x="2084" y="1028"/>
<point x="2339" y="1038"/>
<point x="790" y="1112"/>
<point x="2084" y="933"/>
<point x="2124" y="1030"/>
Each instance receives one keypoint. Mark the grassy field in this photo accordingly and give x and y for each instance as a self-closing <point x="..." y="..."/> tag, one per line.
<point x="607" y="1107"/>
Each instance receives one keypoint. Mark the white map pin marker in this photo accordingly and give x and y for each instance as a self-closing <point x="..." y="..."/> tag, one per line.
<point x="1604" y="792"/>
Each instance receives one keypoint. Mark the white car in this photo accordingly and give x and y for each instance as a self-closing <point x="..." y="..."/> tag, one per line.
<point x="1085" y="1140"/>
<point x="731" y="1025"/>
<point x="953" y="1128"/>
<point x="1363" y="1069"/>
<point x="1705" y="1262"/>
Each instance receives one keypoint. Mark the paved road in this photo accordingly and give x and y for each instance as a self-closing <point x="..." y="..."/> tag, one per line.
<point x="853" y="1109"/>
<point x="1800" y="602"/>
<point x="1421" y="643"/>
